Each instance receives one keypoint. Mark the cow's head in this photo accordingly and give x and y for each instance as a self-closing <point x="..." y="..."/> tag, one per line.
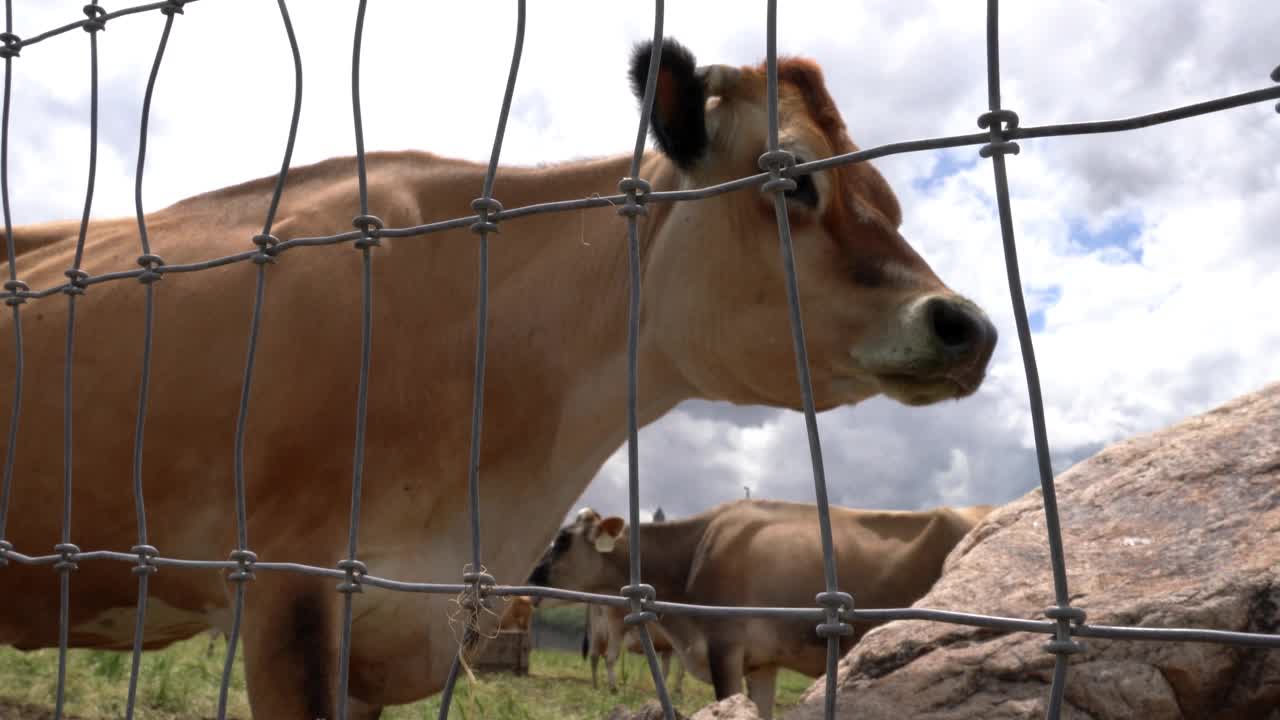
<point x="877" y="318"/>
<point x="584" y="556"/>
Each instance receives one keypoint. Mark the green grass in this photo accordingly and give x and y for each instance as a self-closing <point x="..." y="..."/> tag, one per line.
<point x="182" y="682"/>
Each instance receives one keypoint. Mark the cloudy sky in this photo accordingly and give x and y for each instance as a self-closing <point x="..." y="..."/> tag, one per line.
<point x="1150" y="259"/>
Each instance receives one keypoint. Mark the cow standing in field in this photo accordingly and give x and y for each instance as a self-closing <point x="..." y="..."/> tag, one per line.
<point x="518" y="614"/>
<point x="714" y="324"/>
<point x="606" y="635"/>
<point x="759" y="553"/>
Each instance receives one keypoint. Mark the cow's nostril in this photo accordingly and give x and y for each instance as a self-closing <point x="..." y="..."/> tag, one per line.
<point x="954" y="325"/>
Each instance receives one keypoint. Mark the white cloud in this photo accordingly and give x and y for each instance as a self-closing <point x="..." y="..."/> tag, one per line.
<point x="1132" y="338"/>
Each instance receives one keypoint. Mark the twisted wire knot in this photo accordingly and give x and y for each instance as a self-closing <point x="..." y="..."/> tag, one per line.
<point x="352" y="568"/>
<point x="1000" y="122"/>
<point x="174" y="6"/>
<point x="777" y="163"/>
<point x="480" y="583"/>
<point x="1066" y="612"/>
<point x="370" y="225"/>
<point x="68" y="551"/>
<point x="637" y="191"/>
<point x="266" y="248"/>
<point x="6" y="547"/>
<point x="151" y="265"/>
<point x="244" y="565"/>
<point x="75" y="281"/>
<point x="639" y="595"/>
<point x="15" y="288"/>
<point x="485" y="207"/>
<point x="12" y="45"/>
<point x="1275" y="77"/>
<point x="96" y="21"/>
<point x="1063" y="643"/>
<point x="835" y="603"/>
<point x="145" y="553"/>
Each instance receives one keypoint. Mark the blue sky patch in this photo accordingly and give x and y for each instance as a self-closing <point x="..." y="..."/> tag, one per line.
<point x="1119" y="234"/>
<point x="949" y="162"/>
<point x="1039" y="300"/>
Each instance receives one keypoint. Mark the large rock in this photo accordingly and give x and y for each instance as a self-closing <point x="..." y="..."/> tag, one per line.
<point x="1178" y="528"/>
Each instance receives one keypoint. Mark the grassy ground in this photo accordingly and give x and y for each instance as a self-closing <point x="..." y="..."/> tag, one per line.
<point x="182" y="683"/>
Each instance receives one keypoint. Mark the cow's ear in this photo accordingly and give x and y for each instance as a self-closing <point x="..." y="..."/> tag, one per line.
<point x="678" y="119"/>
<point x="607" y="533"/>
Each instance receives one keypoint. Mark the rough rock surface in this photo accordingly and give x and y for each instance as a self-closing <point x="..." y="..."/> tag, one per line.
<point x="1177" y="528"/>
<point x="734" y="707"/>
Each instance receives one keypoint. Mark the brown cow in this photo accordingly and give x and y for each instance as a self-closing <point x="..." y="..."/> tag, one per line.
<point x="606" y="635"/>
<point x="518" y="615"/>
<point x="714" y="324"/>
<point x="761" y="553"/>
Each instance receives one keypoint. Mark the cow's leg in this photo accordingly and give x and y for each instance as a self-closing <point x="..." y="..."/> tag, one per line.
<point x="291" y="647"/>
<point x="679" y="684"/>
<point x="610" y="659"/>
<point x="725" y="659"/>
<point x="762" y="683"/>
<point x="666" y="665"/>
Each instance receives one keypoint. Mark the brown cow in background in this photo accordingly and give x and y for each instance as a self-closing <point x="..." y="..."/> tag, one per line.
<point x="606" y="635"/>
<point x="759" y="553"/>
<point x="518" y="614"/>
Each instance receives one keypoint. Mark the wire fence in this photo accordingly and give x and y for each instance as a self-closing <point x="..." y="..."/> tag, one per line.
<point x="834" y="609"/>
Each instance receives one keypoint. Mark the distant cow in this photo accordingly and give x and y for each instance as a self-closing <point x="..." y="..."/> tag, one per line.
<point x="759" y="553"/>
<point x="606" y="636"/>
<point x="518" y="615"/>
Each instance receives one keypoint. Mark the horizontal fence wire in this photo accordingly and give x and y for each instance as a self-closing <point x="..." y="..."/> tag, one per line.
<point x="833" y="610"/>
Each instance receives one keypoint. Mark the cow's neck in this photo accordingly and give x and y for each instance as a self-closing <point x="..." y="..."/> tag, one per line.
<point x="667" y="553"/>
<point x="556" y="393"/>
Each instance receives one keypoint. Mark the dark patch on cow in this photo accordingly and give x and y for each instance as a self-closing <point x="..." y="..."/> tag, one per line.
<point x="867" y="273"/>
<point x="723" y="675"/>
<point x="678" y="119"/>
<point x="805" y="191"/>
<point x="309" y="643"/>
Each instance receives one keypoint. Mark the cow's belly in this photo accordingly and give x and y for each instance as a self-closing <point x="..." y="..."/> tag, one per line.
<point x="404" y="643"/>
<point x="165" y="624"/>
<point x="111" y="628"/>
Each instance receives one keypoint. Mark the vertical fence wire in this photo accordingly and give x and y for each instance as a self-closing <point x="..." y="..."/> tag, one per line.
<point x="265" y="242"/>
<point x="369" y="225"/>
<point x="152" y="264"/>
<point x="13" y="285"/>
<point x="1062" y="646"/>
<point x="486" y="207"/>
<point x="635" y="189"/>
<point x="776" y="161"/>
<point x="75" y="288"/>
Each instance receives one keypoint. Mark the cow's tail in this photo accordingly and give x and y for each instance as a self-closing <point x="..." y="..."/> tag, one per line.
<point x="586" y="633"/>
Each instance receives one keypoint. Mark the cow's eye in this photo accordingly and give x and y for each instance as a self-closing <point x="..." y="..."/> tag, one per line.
<point x="806" y="191"/>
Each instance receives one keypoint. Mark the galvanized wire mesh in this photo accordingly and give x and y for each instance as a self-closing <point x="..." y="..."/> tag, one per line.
<point x="833" y="610"/>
